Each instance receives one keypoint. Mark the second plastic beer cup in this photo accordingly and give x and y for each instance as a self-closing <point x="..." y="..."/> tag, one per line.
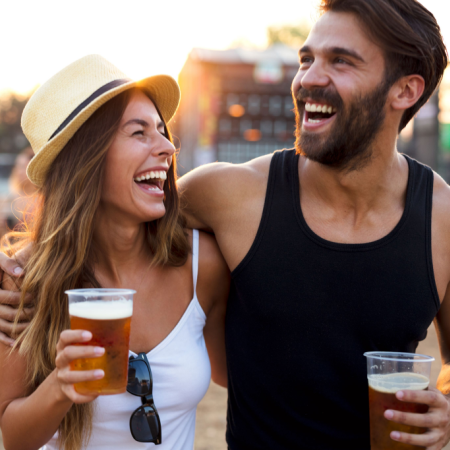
<point x="388" y="373"/>
<point x="106" y="313"/>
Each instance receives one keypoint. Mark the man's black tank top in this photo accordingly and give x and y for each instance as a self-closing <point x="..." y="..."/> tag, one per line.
<point x="303" y="310"/>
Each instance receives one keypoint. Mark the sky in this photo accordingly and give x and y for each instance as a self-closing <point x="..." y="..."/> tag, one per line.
<point x="141" y="37"/>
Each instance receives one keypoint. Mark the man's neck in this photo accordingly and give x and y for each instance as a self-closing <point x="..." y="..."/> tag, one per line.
<point x="383" y="176"/>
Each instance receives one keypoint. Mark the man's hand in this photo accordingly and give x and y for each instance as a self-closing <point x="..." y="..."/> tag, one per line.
<point x="10" y="299"/>
<point x="436" y="420"/>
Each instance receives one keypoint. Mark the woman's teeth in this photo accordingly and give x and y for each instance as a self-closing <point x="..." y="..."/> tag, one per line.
<point x="158" y="174"/>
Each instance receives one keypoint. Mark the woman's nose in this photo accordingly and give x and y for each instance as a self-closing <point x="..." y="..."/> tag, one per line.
<point x="163" y="147"/>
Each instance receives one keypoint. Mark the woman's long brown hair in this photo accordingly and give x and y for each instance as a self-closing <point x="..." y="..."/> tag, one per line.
<point x="61" y="259"/>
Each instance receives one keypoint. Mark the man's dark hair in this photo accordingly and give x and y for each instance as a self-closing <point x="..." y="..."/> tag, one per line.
<point x="408" y="34"/>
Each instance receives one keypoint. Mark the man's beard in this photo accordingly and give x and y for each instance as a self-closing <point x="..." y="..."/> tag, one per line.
<point x="348" y="145"/>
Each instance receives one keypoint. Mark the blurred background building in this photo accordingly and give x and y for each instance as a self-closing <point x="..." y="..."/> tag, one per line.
<point x="236" y="104"/>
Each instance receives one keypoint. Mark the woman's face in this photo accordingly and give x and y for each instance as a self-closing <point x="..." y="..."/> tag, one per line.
<point x="137" y="164"/>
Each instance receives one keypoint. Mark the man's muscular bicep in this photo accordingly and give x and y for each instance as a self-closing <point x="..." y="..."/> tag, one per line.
<point x="202" y="191"/>
<point x="442" y="323"/>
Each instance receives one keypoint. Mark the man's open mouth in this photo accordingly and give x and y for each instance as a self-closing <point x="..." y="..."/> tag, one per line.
<point x="318" y="112"/>
<point x="152" y="180"/>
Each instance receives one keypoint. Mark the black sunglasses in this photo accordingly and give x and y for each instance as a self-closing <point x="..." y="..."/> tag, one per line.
<point x="145" y="424"/>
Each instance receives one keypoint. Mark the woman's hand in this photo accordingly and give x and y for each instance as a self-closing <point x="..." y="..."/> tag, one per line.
<point x="66" y="352"/>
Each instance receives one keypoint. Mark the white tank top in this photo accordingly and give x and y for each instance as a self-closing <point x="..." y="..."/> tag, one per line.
<point x="181" y="374"/>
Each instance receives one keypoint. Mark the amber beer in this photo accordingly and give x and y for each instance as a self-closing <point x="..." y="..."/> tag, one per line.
<point x="382" y="390"/>
<point x="109" y="322"/>
<point x="388" y="373"/>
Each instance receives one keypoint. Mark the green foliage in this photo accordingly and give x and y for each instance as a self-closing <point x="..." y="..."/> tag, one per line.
<point x="292" y="35"/>
<point x="12" y="140"/>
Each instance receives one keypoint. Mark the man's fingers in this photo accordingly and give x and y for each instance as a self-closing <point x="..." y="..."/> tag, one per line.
<point x="10" y="266"/>
<point x="23" y="255"/>
<point x="426" y="420"/>
<point x="432" y="397"/>
<point x="10" y="298"/>
<point x="9" y="313"/>
<point x="4" y="339"/>
<point x="10" y="330"/>
<point x="421" y="440"/>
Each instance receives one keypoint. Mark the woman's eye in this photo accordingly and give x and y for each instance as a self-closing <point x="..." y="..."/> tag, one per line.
<point x="137" y="133"/>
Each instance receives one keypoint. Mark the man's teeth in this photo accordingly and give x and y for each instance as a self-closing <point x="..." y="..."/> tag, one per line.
<point x="159" y="174"/>
<point x="315" y="107"/>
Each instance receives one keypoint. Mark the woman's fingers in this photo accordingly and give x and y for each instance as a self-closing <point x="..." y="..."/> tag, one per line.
<point x="78" y="376"/>
<point x="70" y="337"/>
<point x="67" y="351"/>
<point x="72" y="352"/>
<point x="75" y="397"/>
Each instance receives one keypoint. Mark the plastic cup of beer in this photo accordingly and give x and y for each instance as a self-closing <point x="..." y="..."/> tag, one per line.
<point x="388" y="373"/>
<point x="106" y="313"/>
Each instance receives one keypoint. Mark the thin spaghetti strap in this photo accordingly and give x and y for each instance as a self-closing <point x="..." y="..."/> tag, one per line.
<point x="195" y="247"/>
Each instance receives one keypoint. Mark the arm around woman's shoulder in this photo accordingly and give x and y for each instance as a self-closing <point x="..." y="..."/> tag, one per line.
<point x="212" y="291"/>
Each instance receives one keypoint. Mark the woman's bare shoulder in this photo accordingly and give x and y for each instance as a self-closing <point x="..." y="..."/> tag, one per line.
<point x="12" y="377"/>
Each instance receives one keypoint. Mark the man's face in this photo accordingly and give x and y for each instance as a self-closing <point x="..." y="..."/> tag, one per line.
<point x="340" y="93"/>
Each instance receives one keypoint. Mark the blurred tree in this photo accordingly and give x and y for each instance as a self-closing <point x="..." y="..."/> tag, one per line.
<point x="292" y="35"/>
<point x="12" y="140"/>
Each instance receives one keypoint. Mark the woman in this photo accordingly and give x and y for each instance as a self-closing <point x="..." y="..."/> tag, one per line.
<point x="109" y="216"/>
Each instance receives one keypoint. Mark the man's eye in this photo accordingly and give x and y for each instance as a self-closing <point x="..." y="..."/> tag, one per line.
<point x="341" y="61"/>
<point x="306" y="60"/>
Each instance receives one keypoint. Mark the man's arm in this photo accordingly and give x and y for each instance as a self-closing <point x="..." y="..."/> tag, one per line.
<point x="11" y="269"/>
<point x="437" y="419"/>
<point x="228" y="200"/>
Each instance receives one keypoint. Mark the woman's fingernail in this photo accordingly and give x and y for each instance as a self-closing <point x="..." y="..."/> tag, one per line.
<point x="395" y="435"/>
<point x="18" y="271"/>
<point x="99" y="351"/>
<point x="99" y="373"/>
<point x="86" y="335"/>
<point x="388" y="414"/>
<point x="400" y="394"/>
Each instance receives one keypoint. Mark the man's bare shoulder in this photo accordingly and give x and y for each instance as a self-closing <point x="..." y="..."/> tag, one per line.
<point x="232" y="175"/>
<point x="441" y="200"/>
<point x="215" y="195"/>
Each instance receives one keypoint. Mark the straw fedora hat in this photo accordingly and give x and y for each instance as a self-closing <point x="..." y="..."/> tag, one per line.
<point x="62" y="104"/>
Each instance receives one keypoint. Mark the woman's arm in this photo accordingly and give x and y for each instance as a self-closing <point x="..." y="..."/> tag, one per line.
<point x="212" y="291"/>
<point x="29" y="422"/>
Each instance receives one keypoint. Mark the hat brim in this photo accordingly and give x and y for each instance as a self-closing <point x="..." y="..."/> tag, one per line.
<point x="162" y="89"/>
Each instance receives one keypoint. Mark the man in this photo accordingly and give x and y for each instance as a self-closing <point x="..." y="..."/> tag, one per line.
<point x="339" y="248"/>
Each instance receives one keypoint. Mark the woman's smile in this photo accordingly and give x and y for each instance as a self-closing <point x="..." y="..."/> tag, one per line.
<point x="151" y="181"/>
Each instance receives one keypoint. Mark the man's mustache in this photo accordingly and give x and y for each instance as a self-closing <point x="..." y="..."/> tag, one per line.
<point x="332" y="98"/>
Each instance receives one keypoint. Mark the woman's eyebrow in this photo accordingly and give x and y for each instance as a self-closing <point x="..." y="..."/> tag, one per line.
<point x="137" y="122"/>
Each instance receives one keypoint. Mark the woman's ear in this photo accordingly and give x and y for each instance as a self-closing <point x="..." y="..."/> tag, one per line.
<point x="406" y="92"/>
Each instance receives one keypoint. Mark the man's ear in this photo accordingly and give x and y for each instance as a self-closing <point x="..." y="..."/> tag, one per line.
<point x="406" y="92"/>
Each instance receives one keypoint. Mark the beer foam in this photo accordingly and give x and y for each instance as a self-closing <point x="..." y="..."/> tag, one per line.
<point x="102" y="310"/>
<point x="394" y="382"/>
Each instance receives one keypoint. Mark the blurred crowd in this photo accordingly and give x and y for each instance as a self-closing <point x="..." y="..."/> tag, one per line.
<point x="17" y="203"/>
